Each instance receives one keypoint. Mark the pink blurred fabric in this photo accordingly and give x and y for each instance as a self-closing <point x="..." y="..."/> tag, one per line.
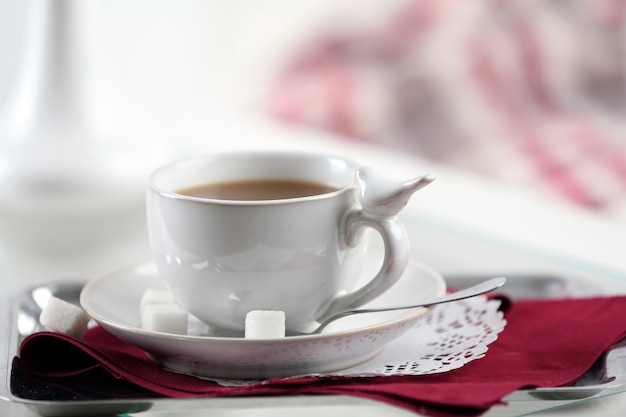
<point x="530" y="91"/>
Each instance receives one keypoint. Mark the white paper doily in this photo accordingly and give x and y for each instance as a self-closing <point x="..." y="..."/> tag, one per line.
<point x="447" y="338"/>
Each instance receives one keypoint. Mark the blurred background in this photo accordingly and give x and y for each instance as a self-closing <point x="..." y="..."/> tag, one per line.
<point x="520" y="103"/>
<point x="529" y="91"/>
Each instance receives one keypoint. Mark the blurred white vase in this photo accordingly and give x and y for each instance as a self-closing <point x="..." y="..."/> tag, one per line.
<point x="74" y="152"/>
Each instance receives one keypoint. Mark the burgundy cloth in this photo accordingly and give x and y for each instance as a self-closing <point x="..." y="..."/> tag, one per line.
<point x="546" y="343"/>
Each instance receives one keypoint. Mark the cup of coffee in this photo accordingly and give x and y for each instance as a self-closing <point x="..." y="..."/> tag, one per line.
<point x="235" y="232"/>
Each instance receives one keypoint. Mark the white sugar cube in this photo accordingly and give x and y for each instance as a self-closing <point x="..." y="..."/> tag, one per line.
<point x="166" y="318"/>
<point x="64" y="317"/>
<point x="265" y="324"/>
<point x="152" y="296"/>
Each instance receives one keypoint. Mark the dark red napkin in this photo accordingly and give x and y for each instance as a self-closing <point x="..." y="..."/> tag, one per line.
<point x="546" y="343"/>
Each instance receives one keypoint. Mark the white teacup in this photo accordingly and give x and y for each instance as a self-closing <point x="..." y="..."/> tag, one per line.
<point x="224" y="257"/>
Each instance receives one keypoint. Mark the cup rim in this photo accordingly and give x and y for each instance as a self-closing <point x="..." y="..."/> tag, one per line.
<point x="262" y="154"/>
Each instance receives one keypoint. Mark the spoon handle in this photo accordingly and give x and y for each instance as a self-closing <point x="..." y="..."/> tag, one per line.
<point x="478" y="289"/>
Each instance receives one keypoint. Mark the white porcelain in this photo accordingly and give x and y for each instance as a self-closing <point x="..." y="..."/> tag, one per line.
<point x="114" y="302"/>
<point x="222" y="259"/>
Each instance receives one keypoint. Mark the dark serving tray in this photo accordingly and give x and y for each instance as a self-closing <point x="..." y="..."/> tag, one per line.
<point x="19" y="318"/>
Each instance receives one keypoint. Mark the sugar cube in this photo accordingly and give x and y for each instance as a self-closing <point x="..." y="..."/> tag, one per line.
<point x="265" y="324"/>
<point x="64" y="317"/>
<point x="153" y="296"/>
<point x="166" y="318"/>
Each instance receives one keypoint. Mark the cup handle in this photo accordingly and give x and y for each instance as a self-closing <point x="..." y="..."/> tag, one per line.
<point x="395" y="260"/>
<point x="381" y="201"/>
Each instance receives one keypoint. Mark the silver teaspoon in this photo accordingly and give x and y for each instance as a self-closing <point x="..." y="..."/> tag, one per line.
<point x="478" y="289"/>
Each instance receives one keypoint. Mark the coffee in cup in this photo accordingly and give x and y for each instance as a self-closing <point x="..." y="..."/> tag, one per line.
<point x="258" y="190"/>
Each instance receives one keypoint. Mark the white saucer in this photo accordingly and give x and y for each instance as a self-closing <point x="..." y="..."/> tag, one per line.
<point x="113" y="301"/>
